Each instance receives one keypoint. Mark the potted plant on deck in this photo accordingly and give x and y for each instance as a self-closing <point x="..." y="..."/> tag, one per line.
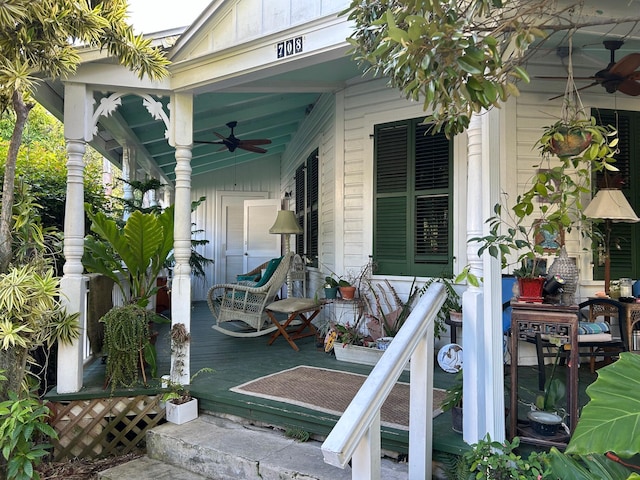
<point x="453" y="402"/>
<point x="132" y="257"/>
<point x="180" y="406"/>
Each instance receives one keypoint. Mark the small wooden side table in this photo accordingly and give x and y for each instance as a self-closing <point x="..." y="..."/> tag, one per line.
<point x="528" y="320"/>
<point x="300" y="312"/>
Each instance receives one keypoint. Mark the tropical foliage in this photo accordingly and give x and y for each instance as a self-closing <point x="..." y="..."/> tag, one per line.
<point x="610" y="422"/>
<point x="458" y="58"/>
<point x="31" y="315"/>
<point x="40" y="38"/>
<point x="131" y="256"/>
<point x="24" y="430"/>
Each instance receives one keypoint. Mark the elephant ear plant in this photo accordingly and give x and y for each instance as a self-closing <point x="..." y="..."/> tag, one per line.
<point x="132" y="257"/>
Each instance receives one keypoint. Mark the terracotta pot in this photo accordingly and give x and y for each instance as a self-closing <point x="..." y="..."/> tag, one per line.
<point x="531" y="289"/>
<point x="574" y="143"/>
<point x="347" y="293"/>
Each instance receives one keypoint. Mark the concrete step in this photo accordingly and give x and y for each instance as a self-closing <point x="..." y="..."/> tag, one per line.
<point x="146" y="468"/>
<point x="221" y="449"/>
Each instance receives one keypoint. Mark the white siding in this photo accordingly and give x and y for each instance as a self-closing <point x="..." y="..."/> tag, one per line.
<point x="318" y="131"/>
<point x="235" y="22"/>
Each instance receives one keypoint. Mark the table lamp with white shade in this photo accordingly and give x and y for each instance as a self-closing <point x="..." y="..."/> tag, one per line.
<point x="610" y="205"/>
<point x="286" y="224"/>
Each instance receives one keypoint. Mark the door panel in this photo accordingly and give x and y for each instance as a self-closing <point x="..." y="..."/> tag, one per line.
<point x="230" y="260"/>
<point x="260" y="245"/>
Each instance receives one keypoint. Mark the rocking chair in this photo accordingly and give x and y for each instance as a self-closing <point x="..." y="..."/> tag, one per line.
<point x="245" y="303"/>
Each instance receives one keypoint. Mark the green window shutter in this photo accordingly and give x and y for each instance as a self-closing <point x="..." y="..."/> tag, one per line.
<point x="390" y="248"/>
<point x="624" y="257"/>
<point x="412" y="199"/>
<point x="300" y="212"/>
<point x="306" y="209"/>
<point x="312" y="206"/>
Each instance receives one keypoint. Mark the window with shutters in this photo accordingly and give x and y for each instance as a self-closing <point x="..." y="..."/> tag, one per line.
<point x="625" y="237"/>
<point x="307" y="207"/>
<point x="412" y="200"/>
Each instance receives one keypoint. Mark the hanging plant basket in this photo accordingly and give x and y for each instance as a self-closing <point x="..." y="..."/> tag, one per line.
<point x="569" y="142"/>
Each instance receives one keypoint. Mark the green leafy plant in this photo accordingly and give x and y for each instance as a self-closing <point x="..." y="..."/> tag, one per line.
<point x="127" y="341"/>
<point x="498" y="461"/>
<point x="512" y="232"/>
<point x="31" y="315"/>
<point x="331" y="282"/>
<point x="602" y="429"/>
<point x="23" y="428"/>
<point x="453" y="396"/>
<point x="298" y="434"/>
<point x="453" y="302"/>
<point x="132" y="256"/>
<point x="178" y="393"/>
<point x="555" y="389"/>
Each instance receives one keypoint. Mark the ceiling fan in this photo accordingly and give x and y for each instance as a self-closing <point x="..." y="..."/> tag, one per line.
<point x="232" y="142"/>
<point x="622" y="76"/>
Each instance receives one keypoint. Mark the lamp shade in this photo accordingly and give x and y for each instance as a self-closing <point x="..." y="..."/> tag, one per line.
<point x="286" y="223"/>
<point x="611" y="204"/>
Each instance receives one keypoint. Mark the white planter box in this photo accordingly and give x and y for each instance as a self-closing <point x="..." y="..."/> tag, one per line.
<point x="182" y="413"/>
<point x="358" y="354"/>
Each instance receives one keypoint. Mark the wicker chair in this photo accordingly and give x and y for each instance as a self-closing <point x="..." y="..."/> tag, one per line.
<point x="239" y="302"/>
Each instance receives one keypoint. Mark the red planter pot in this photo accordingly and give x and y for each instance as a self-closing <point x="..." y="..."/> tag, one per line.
<point x="531" y="289"/>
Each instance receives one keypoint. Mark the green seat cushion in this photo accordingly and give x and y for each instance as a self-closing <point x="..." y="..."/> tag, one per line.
<point x="248" y="278"/>
<point x="271" y="267"/>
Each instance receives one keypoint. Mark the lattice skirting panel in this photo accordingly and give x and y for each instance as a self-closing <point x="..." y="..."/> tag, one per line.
<point x="103" y="426"/>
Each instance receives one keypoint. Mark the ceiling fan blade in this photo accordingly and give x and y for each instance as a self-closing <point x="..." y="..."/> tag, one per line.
<point x="626" y="65"/>
<point x="208" y="142"/>
<point x="251" y="148"/>
<point x="592" y="84"/>
<point x="221" y="137"/>
<point x="256" y="141"/>
<point x="629" y="87"/>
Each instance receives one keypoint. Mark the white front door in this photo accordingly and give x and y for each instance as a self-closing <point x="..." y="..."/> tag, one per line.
<point x="260" y="245"/>
<point x="230" y="261"/>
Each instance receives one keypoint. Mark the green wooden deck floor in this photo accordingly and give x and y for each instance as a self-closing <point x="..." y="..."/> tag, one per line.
<point x="238" y="360"/>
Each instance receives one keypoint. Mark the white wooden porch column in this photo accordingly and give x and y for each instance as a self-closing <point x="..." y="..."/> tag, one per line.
<point x="482" y="331"/>
<point x="77" y="115"/>
<point x="128" y="174"/>
<point x="181" y="137"/>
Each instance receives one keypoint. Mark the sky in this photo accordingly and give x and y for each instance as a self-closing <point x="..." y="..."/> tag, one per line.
<point x="155" y="15"/>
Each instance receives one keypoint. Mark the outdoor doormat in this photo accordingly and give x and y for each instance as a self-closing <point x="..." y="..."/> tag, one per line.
<point x="331" y="391"/>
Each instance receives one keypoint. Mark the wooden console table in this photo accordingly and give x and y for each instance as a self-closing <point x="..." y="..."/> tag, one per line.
<point x="527" y="321"/>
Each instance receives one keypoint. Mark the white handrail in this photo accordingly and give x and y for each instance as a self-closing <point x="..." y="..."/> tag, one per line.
<point x="357" y="433"/>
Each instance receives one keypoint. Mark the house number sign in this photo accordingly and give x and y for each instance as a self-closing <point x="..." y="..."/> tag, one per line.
<point x="289" y="47"/>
